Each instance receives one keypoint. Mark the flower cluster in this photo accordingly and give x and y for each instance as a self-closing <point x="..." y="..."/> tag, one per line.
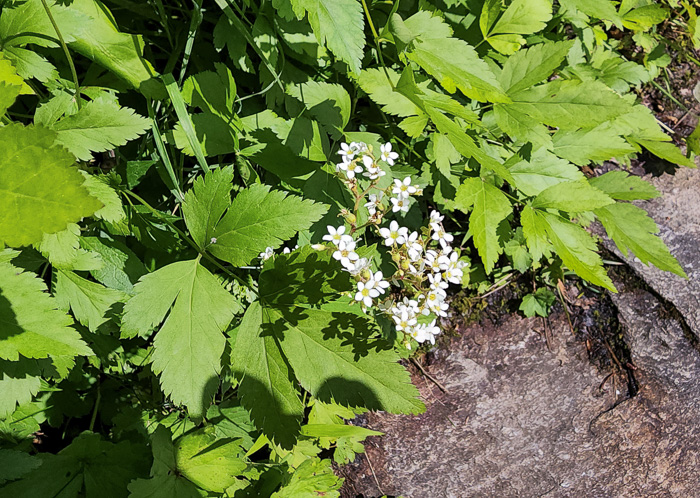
<point x="425" y="260"/>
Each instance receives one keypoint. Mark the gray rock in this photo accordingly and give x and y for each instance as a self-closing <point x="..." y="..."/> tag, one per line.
<point x="520" y="420"/>
<point x="677" y="213"/>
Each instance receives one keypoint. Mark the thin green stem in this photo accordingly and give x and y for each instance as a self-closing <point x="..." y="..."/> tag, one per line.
<point x="375" y="35"/>
<point x="65" y="51"/>
<point x="97" y="405"/>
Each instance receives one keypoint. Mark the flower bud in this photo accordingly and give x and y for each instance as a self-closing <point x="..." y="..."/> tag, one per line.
<point x="350" y="218"/>
<point x="404" y="265"/>
<point x="396" y="257"/>
<point x="366" y="274"/>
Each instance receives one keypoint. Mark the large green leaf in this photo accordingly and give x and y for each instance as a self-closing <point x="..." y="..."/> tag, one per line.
<point x="19" y="382"/>
<point x="456" y="65"/>
<point x="378" y="85"/>
<point x="90" y="302"/>
<point x="260" y="218"/>
<point x="339" y="24"/>
<point x="206" y="202"/>
<point x="165" y="481"/>
<point x="541" y="171"/>
<point x="40" y="189"/>
<point x="567" y="103"/>
<point x="572" y="197"/>
<point x="632" y="230"/>
<point x="314" y="477"/>
<point x="533" y="65"/>
<point x="99" y="126"/>
<point x="210" y="464"/>
<point x="333" y="357"/>
<point x="31" y="324"/>
<point x="489" y="207"/>
<point x="572" y="243"/>
<point x="522" y="17"/>
<point x="89" y="466"/>
<point x="188" y="346"/>
<point x="266" y="387"/>
<point x="622" y="186"/>
<point x="583" y="146"/>
<point x="305" y="276"/>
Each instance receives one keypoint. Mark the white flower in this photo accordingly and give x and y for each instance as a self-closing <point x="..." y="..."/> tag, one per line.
<point x="434" y="298"/>
<point x="373" y="203"/>
<point x="337" y="235"/>
<point x="448" y="261"/>
<point x="393" y="233"/>
<point x="435" y="217"/>
<point x="441" y="235"/>
<point x="387" y="154"/>
<point x="346" y="254"/>
<point x="267" y="254"/>
<point x="379" y="283"/>
<point x="436" y="281"/>
<point x="404" y="320"/>
<point x="425" y="332"/>
<point x="453" y="275"/>
<point x="400" y="204"/>
<point x="403" y="189"/>
<point x="413" y="246"/>
<point x="409" y="304"/>
<point x="356" y="267"/>
<point x="286" y="250"/>
<point x="349" y="168"/>
<point x="432" y="260"/>
<point x="365" y="292"/>
<point x="213" y="240"/>
<point x="347" y="152"/>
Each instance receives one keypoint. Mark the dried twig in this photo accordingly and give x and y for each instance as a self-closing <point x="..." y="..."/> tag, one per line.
<point x="435" y="381"/>
<point x="379" y="488"/>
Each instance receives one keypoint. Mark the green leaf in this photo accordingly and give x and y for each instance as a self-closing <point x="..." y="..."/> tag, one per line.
<point x="600" y="9"/>
<point x="98" y="187"/>
<point x="32" y="326"/>
<point x="165" y="481"/>
<point x="522" y="17"/>
<point x="622" y="186"/>
<point x="631" y="229"/>
<point x="19" y="382"/>
<point x="29" y="64"/>
<point x="574" y="246"/>
<point x="8" y="94"/>
<point x="489" y="207"/>
<point x="89" y="466"/>
<point x="40" y="189"/>
<point x="465" y="145"/>
<point x="213" y="134"/>
<point x="376" y="84"/>
<point x="456" y="65"/>
<point x="266" y="388"/>
<point x="98" y="38"/>
<point x="568" y="103"/>
<point x="121" y="268"/>
<point x="304" y="276"/>
<point x="63" y="250"/>
<point x="206" y="202"/>
<point x="328" y="103"/>
<point x="260" y="218"/>
<point x="333" y="363"/>
<point x="340" y="25"/>
<point x="212" y="91"/>
<point x="337" y="430"/>
<point x="210" y="464"/>
<point x="542" y="171"/>
<point x="15" y="464"/>
<point x="534" y="65"/>
<point x="314" y="477"/>
<point x="667" y="151"/>
<point x="28" y="23"/>
<point x="583" y="146"/>
<point x="99" y="126"/>
<point x="535" y="234"/>
<point x="538" y="303"/>
<point x="572" y="197"/>
<point x="188" y="346"/>
<point x="89" y="301"/>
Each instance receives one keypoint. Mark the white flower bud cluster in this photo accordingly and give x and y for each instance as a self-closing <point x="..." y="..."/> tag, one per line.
<point x="426" y="263"/>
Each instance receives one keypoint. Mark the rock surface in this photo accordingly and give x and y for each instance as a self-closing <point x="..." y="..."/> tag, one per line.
<point x="520" y="420"/>
<point x="677" y="213"/>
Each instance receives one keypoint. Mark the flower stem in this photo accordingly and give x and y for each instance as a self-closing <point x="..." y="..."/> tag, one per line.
<point x="65" y="51"/>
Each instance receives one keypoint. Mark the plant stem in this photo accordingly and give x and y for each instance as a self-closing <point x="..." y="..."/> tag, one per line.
<point x="65" y="51"/>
